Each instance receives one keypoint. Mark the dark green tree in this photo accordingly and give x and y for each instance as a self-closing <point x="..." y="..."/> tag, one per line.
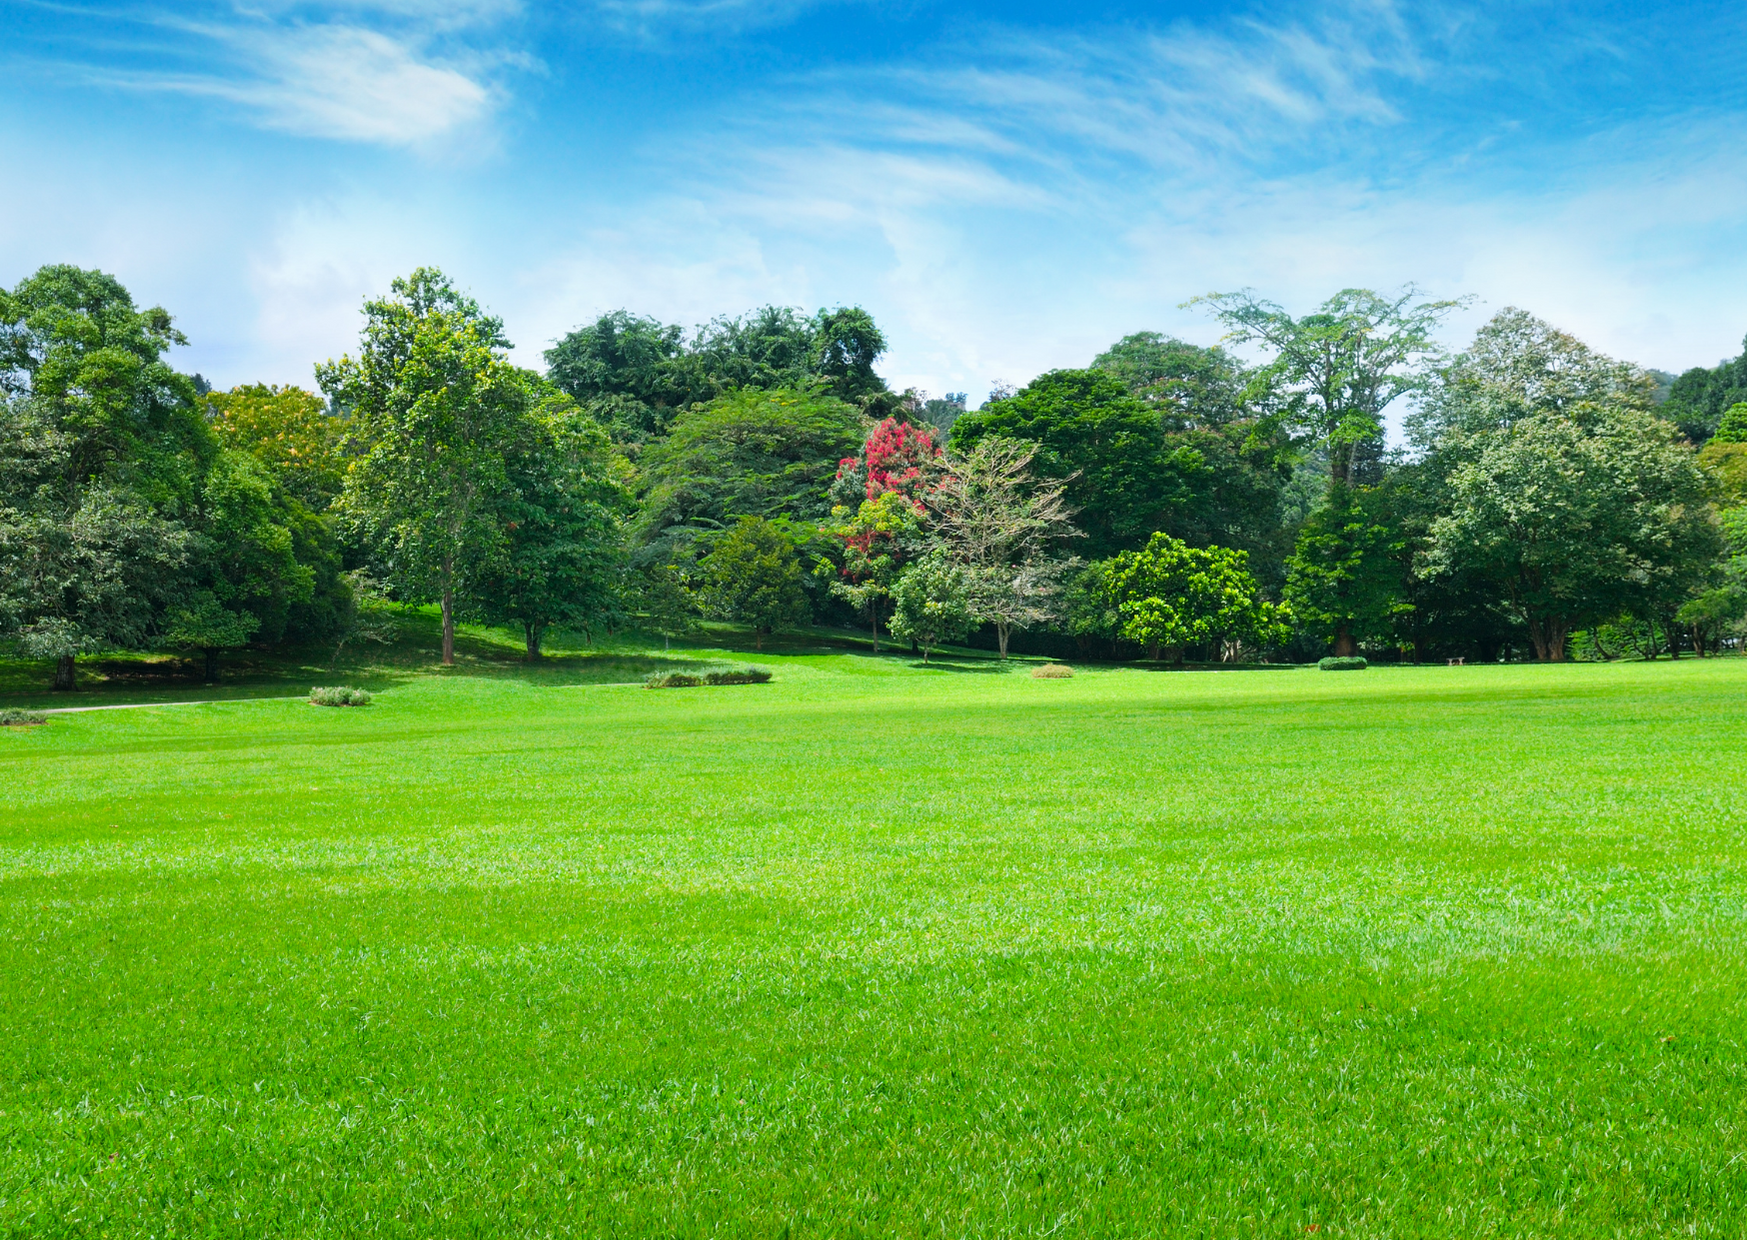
<point x="1577" y="518"/>
<point x="1346" y="580"/>
<point x="564" y="547"/>
<point x="1104" y="443"/>
<point x="1698" y="399"/>
<point x="437" y="409"/>
<point x="752" y="575"/>
<point x="1170" y="596"/>
<point x="102" y="450"/>
<point x="629" y="371"/>
<point x="749" y="453"/>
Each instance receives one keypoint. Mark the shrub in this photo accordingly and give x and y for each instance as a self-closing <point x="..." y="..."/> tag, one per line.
<point x="14" y="718"/>
<point x="1353" y="663"/>
<point x="690" y="680"/>
<point x="1053" y="671"/>
<point x="339" y="695"/>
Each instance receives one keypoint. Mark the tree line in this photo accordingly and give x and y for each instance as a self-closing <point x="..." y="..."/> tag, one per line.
<point x="1167" y="501"/>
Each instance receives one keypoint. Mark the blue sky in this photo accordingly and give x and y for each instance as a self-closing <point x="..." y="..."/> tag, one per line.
<point x="1007" y="187"/>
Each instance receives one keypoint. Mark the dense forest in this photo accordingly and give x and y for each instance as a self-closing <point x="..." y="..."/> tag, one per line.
<point x="1167" y="501"/>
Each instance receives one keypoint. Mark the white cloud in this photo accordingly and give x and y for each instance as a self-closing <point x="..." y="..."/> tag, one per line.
<point x="347" y="82"/>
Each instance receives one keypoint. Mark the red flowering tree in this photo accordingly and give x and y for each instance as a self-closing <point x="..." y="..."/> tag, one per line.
<point x="879" y="512"/>
<point x="897" y="456"/>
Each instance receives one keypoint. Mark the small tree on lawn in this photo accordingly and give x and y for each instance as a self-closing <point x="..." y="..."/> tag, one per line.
<point x="753" y="576"/>
<point x="879" y="540"/>
<point x="1170" y="595"/>
<point x="207" y="625"/>
<point x="932" y="603"/>
<point x="1002" y="525"/>
<point x="665" y="600"/>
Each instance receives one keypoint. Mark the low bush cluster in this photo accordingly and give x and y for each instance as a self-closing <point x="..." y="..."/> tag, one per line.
<point x="339" y="695"/>
<point x="1352" y="663"/>
<point x="1053" y="671"/>
<point x="691" y="680"/>
<point x="14" y="718"/>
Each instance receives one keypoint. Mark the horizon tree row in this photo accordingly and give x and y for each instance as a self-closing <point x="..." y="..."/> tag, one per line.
<point x="1168" y="500"/>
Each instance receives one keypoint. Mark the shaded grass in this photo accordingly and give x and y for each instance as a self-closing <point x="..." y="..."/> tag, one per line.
<point x="874" y="952"/>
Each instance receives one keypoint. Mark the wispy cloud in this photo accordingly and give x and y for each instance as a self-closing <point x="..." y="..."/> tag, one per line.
<point x="390" y="72"/>
<point x="339" y="81"/>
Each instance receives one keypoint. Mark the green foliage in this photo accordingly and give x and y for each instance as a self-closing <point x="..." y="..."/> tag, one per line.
<point x="290" y="432"/>
<point x="1573" y="526"/>
<point x="1344" y="582"/>
<point x="1170" y="596"/>
<point x="339" y="695"/>
<point x="562" y="517"/>
<point x="750" y="453"/>
<point x="101" y="455"/>
<point x="628" y="371"/>
<point x="1337" y="369"/>
<point x="1106" y="445"/>
<point x="1732" y="427"/>
<point x="1700" y="398"/>
<point x="438" y="409"/>
<point x="1519" y="366"/>
<point x="753" y="576"/>
<point x="931" y="603"/>
<point x="1189" y="385"/>
<point x="1342" y="663"/>
<point x="12" y="717"/>
<point x="637" y="375"/>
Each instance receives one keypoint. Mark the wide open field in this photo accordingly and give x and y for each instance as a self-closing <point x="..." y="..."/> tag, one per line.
<point x="873" y="950"/>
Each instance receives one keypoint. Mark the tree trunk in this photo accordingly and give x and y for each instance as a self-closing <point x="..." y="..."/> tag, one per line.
<point x="533" y="633"/>
<point x="448" y="629"/>
<point x="211" y="665"/>
<point x="1002" y="632"/>
<point x="1152" y="652"/>
<point x="1345" y="646"/>
<point x="65" y="674"/>
<point x="1538" y="635"/>
<point x="875" y="613"/>
<point x="757" y="638"/>
<point x="1556" y="633"/>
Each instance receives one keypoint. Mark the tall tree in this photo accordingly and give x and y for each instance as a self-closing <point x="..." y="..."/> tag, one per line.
<point x="1577" y="518"/>
<point x="629" y="371"/>
<point x="563" y="550"/>
<point x="101" y="462"/>
<point x="1519" y="365"/>
<point x="1338" y="368"/>
<point x="749" y="453"/>
<point x="437" y="407"/>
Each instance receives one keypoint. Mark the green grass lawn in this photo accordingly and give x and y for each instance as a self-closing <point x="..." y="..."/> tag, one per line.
<point x="878" y="950"/>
